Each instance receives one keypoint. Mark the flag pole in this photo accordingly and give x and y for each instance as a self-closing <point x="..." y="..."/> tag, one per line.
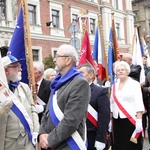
<point x="115" y="44"/>
<point x="133" y="40"/>
<point x="103" y="45"/>
<point x="28" y="48"/>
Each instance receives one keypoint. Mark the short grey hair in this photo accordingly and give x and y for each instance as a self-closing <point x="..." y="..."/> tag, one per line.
<point x="123" y="63"/>
<point x="89" y="68"/>
<point x="39" y="66"/>
<point x="69" y="50"/>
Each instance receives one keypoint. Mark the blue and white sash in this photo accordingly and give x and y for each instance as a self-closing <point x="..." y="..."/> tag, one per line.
<point x="17" y="108"/>
<point x="22" y="114"/>
<point x="75" y="142"/>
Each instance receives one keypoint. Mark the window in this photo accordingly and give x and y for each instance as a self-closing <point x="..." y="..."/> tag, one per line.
<point x="35" y="53"/>
<point x="92" y="26"/>
<point x="32" y="14"/>
<point x="116" y="4"/>
<point x="55" y="18"/>
<point x="56" y="15"/>
<point x="2" y="9"/>
<point x="74" y="17"/>
<point x="117" y="30"/>
<point x="54" y="51"/>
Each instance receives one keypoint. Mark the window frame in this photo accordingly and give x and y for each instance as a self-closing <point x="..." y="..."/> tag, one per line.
<point x="57" y="17"/>
<point x="33" y="13"/>
<point x="93" y="24"/>
<point x="39" y="49"/>
<point x="117" y="30"/>
<point x="4" y="11"/>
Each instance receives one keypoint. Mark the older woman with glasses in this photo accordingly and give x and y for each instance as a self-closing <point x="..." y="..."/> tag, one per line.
<point x="127" y="108"/>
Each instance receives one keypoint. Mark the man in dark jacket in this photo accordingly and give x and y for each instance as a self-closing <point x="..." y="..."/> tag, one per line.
<point x="99" y="107"/>
<point x="42" y="87"/>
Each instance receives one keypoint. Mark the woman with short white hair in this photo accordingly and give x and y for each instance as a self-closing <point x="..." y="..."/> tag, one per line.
<point x="127" y="108"/>
<point x="49" y="74"/>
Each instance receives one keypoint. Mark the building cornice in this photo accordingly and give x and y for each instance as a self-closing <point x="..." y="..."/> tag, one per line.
<point x="49" y="38"/>
<point x="87" y="2"/>
<point x="54" y="1"/>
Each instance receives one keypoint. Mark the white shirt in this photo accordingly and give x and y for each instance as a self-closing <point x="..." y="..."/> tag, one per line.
<point x="130" y="97"/>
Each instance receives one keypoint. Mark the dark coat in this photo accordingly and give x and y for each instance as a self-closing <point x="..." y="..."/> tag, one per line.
<point x="43" y="94"/>
<point x="73" y="99"/>
<point x="100" y="102"/>
<point x="135" y="72"/>
<point x="147" y="100"/>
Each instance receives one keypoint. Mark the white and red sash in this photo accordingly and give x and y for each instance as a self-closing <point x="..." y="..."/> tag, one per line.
<point x="92" y="115"/>
<point x="135" y="135"/>
<point x="75" y="141"/>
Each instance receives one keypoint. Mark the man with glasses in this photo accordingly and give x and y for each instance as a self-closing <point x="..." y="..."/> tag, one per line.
<point x="19" y="126"/>
<point x="63" y="123"/>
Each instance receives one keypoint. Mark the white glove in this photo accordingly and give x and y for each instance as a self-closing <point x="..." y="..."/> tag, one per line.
<point x="107" y="84"/>
<point x="39" y="108"/>
<point x="34" y="138"/>
<point x="138" y="126"/>
<point x="99" y="145"/>
<point x="110" y="126"/>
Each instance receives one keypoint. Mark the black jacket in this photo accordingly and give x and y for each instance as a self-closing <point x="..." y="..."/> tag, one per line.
<point x="43" y="94"/>
<point x="135" y="72"/>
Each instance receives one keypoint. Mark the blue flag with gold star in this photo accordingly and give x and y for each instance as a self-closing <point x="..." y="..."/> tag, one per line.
<point x="111" y="58"/>
<point x="17" y="46"/>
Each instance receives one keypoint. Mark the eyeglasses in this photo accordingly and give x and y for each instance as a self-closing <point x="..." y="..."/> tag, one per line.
<point x="57" y="56"/>
<point x="15" y="66"/>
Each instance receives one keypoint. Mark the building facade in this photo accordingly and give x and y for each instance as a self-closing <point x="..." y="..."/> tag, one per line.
<point x="141" y="9"/>
<point x="50" y="22"/>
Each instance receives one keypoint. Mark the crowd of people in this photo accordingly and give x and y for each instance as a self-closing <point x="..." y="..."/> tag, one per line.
<point x="74" y="110"/>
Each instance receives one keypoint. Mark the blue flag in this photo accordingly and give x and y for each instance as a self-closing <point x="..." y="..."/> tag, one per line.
<point x="111" y="58"/>
<point x="17" y="46"/>
<point x="95" y="50"/>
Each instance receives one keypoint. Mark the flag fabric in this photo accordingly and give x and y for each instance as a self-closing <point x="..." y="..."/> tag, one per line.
<point x="113" y="51"/>
<point x="98" y="55"/>
<point x="17" y="46"/>
<point x="115" y="42"/>
<point x="111" y="58"/>
<point x="141" y="46"/>
<point x="137" y="55"/>
<point x="85" y="51"/>
<point x="145" y="49"/>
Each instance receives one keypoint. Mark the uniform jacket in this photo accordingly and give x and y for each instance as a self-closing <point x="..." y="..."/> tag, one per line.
<point x="44" y="93"/>
<point x="100" y="102"/>
<point x="73" y="99"/>
<point x="10" y="125"/>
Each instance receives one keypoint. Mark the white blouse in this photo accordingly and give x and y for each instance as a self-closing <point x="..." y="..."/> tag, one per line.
<point x="130" y="97"/>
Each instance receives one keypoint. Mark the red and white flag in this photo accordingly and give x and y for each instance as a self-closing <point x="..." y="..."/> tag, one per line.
<point x="85" y="51"/>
